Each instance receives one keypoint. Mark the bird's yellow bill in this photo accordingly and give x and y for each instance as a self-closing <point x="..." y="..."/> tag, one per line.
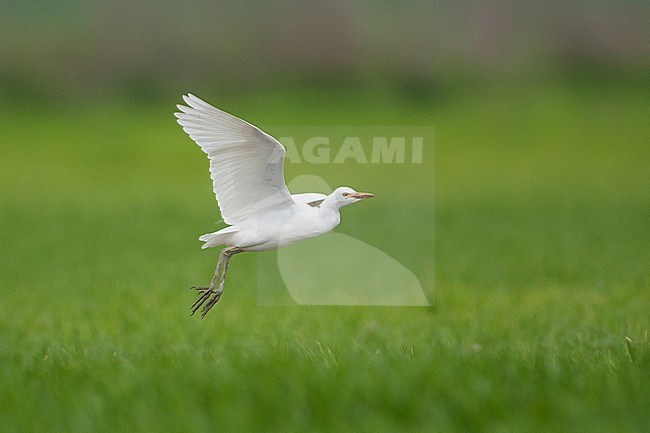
<point x="361" y="195"/>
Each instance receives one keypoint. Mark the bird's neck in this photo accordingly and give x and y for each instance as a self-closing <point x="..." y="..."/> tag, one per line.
<point x="329" y="209"/>
<point x="330" y="204"/>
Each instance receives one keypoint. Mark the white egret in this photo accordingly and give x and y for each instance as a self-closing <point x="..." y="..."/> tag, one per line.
<point x="246" y="167"/>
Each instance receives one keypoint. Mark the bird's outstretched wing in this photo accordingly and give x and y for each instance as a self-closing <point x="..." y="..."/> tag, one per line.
<point x="246" y="164"/>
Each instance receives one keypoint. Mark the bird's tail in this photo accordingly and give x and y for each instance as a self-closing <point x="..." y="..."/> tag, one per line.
<point x="217" y="238"/>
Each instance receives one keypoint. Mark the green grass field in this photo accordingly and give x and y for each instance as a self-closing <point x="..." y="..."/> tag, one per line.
<point x="540" y="291"/>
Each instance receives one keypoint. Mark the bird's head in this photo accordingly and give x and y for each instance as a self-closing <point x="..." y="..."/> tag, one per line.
<point x="344" y="196"/>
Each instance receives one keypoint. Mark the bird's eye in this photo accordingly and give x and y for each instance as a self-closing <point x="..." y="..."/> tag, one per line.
<point x="345" y="194"/>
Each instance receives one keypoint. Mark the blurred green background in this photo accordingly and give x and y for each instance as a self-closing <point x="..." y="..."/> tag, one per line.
<point x="539" y="220"/>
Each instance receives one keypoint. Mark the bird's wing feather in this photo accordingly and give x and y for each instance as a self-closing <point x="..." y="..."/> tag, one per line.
<point x="308" y="197"/>
<point x="246" y="164"/>
<point x="316" y="203"/>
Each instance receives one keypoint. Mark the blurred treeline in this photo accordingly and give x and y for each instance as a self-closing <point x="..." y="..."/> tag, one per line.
<point x="82" y="49"/>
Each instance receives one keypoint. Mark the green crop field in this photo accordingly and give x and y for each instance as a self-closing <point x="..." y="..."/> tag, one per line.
<point x="540" y="303"/>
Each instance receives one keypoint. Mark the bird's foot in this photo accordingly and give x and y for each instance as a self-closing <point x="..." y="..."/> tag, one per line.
<point x="205" y="293"/>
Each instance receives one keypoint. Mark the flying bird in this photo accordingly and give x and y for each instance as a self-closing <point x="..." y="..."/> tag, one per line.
<point x="247" y="171"/>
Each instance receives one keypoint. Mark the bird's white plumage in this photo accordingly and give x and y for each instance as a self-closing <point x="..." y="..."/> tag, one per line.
<point x="308" y="197"/>
<point x="246" y="164"/>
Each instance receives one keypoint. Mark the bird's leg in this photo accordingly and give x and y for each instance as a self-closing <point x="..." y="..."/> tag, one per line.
<point x="206" y="292"/>
<point x="229" y="252"/>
